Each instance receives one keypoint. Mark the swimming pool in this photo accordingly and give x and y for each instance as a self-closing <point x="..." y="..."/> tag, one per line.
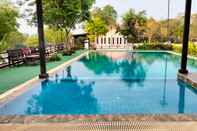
<point x="111" y="82"/>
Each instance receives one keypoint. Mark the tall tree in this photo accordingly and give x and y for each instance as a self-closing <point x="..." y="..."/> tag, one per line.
<point x="134" y="25"/>
<point x="152" y="30"/>
<point x="8" y="24"/>
<point x="193" y="32"/>
<point x="96" y="27"/>
<point x="65" y="14"/>
<point x="108" y="14"/>
<point x="8" y="19"/>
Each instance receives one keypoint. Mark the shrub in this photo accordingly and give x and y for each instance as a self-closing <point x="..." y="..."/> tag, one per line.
<point x="66" y="53"/>
<point x="155" y="47"/>
<point x="177" y="48"/>
<point x="55" y="57"/>
<point x="192" y="48"/>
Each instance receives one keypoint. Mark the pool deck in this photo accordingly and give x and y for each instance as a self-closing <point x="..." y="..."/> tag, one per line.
<point x="104" y="126"/>
<point x="190" y="78"/>
<point x="97" y="123"/>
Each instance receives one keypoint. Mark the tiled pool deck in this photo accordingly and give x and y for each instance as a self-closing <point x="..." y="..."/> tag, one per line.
<point x="190" y="78"/>
<point x="93" y="123"/>
<point x="104" y="126"/>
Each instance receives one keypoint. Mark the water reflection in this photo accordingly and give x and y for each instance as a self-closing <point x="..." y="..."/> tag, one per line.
<point x="64" y="96"/>
<point x="182" y="86"/>
<point x="126" y="64"/>
<point x="164" y="102"/>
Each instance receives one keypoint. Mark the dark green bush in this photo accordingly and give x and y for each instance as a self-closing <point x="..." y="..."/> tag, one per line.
<point x="55" y="57"/>
<point x="67" y="53"/>
<point x="155" y="47"/>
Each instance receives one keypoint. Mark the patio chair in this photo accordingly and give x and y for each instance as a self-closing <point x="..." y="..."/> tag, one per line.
<point x="15" y="57"/>
<point x="28" y="57"/>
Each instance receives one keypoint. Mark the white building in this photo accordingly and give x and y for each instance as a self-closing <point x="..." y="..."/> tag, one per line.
<point x="112" y="40"/>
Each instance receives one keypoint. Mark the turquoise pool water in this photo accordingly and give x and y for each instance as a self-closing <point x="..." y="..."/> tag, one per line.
<point x="111" y="83"/>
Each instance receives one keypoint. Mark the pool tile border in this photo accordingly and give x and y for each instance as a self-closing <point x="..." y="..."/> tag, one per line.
<point x="94" y="118"/>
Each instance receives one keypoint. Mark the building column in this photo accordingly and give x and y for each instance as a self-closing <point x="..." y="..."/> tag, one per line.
<point x="186" y="37"/>
<point x="43" y="73"/>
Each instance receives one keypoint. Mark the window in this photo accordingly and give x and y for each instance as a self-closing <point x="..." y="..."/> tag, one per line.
<point x="105" y="40"/>
<point x="97" y="40"/>
<point x="117" y="40"/>
<point x="125" y="41"/>
<point x="120" y="40"/>
<point x="113" y="40"/>
<point x="109" y="40"/>
<point x="101" y="40"/>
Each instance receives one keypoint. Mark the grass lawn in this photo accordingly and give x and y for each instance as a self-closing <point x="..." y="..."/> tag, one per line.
<point x="11" y="77"/>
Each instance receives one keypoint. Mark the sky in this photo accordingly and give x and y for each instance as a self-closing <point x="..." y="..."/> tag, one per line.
<point x="154" y="8"/>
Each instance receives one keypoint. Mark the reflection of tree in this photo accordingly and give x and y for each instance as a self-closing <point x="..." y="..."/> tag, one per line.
<point x="150" y="57"/>
<point x="100" y="63"/>
<point x="67" y="96"/>
<point x="132" y="72"/>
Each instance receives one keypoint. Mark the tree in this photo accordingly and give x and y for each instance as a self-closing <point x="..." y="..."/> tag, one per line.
<point x="152" y="30"/>
<point x="32" y="41"/>
<point x="95" y="27"/>
<point x="15" y="39"/>
<point x="8" y="23"/>
<point x="108" y="14"/>
<point x="64" y="14"/>
<point x="134" y="25"/>
<point x="54" y="36"/>
<point x="193" y="30"/>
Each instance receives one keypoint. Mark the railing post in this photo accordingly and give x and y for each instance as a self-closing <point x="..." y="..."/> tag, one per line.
<point x="43" y="73"/>
<point x="186" y="37"/>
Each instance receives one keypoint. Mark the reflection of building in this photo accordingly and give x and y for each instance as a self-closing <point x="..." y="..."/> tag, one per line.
<point x="111" y="40"/>
<point x="119" y="55"/>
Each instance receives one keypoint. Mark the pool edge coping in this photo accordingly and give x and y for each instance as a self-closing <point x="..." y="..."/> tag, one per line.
<point x="22" y="119"/>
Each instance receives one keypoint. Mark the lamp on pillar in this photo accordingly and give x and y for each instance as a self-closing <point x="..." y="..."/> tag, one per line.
<point x="39" y="12"/>
<point x="188" y="6"/>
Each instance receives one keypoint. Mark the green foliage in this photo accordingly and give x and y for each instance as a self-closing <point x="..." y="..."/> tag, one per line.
<point x="63" y="15"/>
<point x="67" y="53"/>
<point x="8" y="19"/>
<point x="9" y="36"/>
<point x="133" y="26"/>
<point x="155" y="47"/>
<point x="55" y="57"/>
<point x="108" y="14"/>
<point x="95" y="27"/>
<point x="54" y="36"/>
<point x="193" y="30"/>
<point x="32" y="41"/>
<point x="192" y="50"/>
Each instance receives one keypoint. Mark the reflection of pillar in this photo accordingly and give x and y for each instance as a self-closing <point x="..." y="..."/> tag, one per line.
<point x="69" y="72"/>
<point x="181" y="97"/>
<point x="163" y="101"/>
<point x="44" y="83"/>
